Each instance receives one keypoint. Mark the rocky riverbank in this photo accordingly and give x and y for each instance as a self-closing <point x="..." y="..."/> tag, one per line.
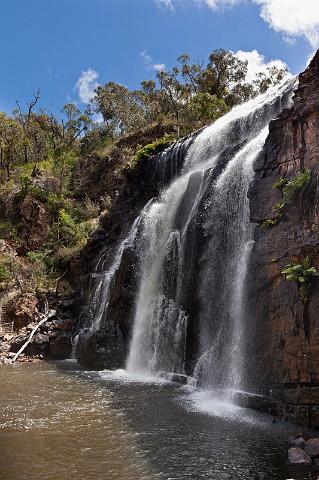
<point x="53" y="338"/>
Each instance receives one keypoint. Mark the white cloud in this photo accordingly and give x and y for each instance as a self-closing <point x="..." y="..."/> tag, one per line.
<point x="159" y="67"/>
<point x="149" y="62"/>
<point x="257" y="63"/>
<point x="166" y="4"/>
<point x="291" y="18"/>
<point x="147" y="59"/>
<point x="218" y="3"/>
<point x="86" y="85"/>
<point x="97" y="118"/>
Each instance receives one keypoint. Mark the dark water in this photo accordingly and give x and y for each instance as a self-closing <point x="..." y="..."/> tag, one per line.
<point x="61" y="423"/>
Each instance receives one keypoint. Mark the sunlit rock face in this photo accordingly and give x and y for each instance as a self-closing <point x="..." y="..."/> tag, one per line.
<point x="282" y="331"/>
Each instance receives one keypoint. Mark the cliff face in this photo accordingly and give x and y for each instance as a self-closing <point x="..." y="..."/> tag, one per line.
<point x="282" y="331"/>
<point x="107" y="345"/>
<point x="282" y="326"/>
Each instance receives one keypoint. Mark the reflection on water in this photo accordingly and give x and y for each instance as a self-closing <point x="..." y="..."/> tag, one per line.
<point x="58" y="427"/>
<point x="62" y="423"/>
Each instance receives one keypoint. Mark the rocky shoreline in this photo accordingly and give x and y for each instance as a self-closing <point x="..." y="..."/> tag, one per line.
<point x="53" y="338"/>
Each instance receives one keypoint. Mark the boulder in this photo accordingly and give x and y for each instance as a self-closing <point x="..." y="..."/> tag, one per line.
<point x="40" y="340"/>
<point x="312" y="447"/>
<point x="298" y="456"/>
<point x="174" y="377"/>
<point x="297" y="441"/>
<point x="63" y="324"/>
<point x="22" y="310"/>
<point x="18" y="340"/>
<point x="60" y="346"/>
<point x="6" y="249"/>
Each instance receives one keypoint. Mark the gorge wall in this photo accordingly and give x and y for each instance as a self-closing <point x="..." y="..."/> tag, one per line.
<point x="282" y="332"/>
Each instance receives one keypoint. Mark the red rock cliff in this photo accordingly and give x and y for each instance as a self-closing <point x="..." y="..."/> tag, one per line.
<point x="283" y="330"/>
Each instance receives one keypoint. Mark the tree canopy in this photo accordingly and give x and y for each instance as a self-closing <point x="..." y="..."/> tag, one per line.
<point x="189" y="95"/>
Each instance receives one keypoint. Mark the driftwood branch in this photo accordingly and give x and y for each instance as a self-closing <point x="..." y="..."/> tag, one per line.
<point x="45" y="317"/>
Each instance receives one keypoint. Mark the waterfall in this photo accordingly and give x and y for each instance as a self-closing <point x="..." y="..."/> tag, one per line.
<point x="191" y="248"/>
<point x="199" y="226"/>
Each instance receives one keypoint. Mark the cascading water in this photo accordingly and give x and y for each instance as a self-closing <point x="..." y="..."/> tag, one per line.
<point x="202" y="220"/>
<point x="192" y="246"/>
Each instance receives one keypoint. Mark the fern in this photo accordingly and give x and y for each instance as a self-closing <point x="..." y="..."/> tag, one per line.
<point x="303" y="274"/>
<point x="296" y="185"/>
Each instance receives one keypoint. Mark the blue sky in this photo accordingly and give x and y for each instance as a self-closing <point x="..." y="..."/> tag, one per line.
<point x="52" y="43"/>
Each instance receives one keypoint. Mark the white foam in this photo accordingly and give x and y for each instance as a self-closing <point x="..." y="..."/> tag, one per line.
<point x="123" y="376"/>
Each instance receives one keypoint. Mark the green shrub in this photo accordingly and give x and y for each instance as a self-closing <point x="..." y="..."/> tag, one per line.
<point x="303" y="274"/>
<point x="4" y="273"/>
<point x="290" y="189"/>
<point x="107" y="202"/>
<point x="86" y="209"/>
<point x="35" y="256"/>
<point x="67" y="253"/>
<point x="68" y="227"/>
<point x="279" y="207"/>
<point x="56" y="202"/>
<point x="280" y="183"/>
<point x="296" y="185"/>
<point x="6" y="228"/>
<point x="25" y="185"/>
<point x="72" y="232"/>
<point x="40" y="194"/>
<point x="271" y="222"/>
<point x="152" y="149"/>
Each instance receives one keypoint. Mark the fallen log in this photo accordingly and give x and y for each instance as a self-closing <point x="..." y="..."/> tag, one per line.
<point x="46" y="316"/>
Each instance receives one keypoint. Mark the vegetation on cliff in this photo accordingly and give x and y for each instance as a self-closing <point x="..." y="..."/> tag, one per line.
<point x="291" y="190"/>
<point x="302" y="273"/>
<point x="58" y="173"/>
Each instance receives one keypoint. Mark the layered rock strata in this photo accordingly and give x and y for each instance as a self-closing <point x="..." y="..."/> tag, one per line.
<point x="282" y="330"/>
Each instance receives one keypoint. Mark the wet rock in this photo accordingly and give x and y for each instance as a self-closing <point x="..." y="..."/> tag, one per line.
<point x="63" y="324"/>
<point x="40" y="340"/>
<point x="174" y="377"/>
<point x="297" y="441"/>
<point x="312" y="447"/>
<point x="178" y="378"/>
<point x="67" y="303"/>
<point x="298" y="456"/>
<point x="60" y="346"/>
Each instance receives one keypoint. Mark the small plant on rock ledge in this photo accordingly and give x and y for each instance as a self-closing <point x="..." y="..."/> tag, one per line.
<point x="303" y="274"/>
<point x="290" y="190"/>
<point x="296" y="185"/>
<point x="271" y="222"/>
<point x="293" y="187"/>
<point x="280" y="183"/>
